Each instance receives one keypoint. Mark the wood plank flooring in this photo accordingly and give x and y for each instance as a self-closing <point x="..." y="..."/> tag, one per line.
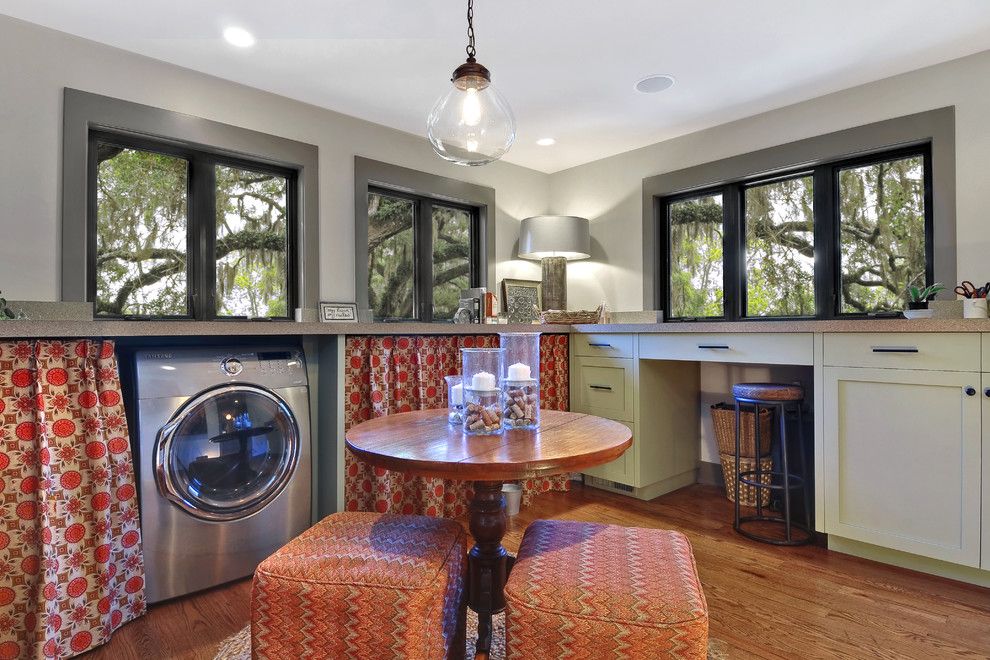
<point x="764" y="601"/>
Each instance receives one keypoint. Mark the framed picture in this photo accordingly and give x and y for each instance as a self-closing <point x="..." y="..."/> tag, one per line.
<point x="334" y="312"/>
<point x="519" y="298"/>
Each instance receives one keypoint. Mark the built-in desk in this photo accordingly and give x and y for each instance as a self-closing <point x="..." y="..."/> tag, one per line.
<point x="901" y="414"/>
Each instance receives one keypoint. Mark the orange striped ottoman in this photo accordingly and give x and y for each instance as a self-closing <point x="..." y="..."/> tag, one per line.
<point x="363" y="585"/>
<point x="584" y="590"/>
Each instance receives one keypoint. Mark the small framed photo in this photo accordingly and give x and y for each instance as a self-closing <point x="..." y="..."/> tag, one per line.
<point x="338" y="312"/>
<point x="521" y="300"/>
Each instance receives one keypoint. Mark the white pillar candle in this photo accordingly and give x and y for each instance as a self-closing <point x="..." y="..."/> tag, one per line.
<point x="457" y="395"/>
<point x="483" y="381"/>
<point x="519" y="371"/>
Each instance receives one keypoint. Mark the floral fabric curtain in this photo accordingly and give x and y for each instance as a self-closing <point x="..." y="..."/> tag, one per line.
<point x="385" y="375"/>
<point x="71" y="569"/>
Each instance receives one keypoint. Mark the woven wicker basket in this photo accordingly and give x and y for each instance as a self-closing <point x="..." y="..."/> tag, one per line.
<point x="724" y="423"/>
<point x="569" y="318"/>
<point x="747" y="493"/>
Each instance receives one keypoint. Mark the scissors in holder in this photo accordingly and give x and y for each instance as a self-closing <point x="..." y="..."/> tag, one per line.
<point x="967" y="289"/>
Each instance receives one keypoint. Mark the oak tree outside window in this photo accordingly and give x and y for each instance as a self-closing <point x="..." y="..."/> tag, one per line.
<point x="181" y="233"/>
<point x="421" y="253"/>
<point x="842" y="238"/>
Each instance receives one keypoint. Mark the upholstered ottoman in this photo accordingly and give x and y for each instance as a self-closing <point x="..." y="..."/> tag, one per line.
<point x="583" y="590"/>
<point x="363" y="585"/>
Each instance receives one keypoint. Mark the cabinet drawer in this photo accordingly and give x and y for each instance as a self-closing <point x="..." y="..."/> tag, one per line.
<point x="621" y="469"/>
<point x="602" y="345"/>
<point x="603" y="387"/>
<point x="755" y="348"/>
<point x="946" y="352"/>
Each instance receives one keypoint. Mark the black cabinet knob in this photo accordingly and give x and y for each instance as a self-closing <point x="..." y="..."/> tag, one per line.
<point x="986" y="392"/>
<point x="970" y="390"/>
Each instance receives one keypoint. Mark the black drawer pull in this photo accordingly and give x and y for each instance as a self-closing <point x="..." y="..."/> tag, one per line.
<point x="593" y="345"/>
<point x="600" y="387"/>
<point x="716" y="347"/>
<point x="895" y="349"/>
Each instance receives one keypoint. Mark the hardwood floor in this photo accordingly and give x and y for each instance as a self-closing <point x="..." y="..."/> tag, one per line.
<point x="764" y="601"/>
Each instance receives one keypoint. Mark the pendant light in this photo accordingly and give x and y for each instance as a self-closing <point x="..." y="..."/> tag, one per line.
<point x="471" y="124"/>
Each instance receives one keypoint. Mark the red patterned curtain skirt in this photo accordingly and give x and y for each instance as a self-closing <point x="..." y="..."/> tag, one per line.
<point x="71" y="570"/>
<point x="385" y="375"/>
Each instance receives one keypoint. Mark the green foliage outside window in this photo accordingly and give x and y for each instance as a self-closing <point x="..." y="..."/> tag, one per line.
<point x="780" y="248"/>
<point x="392" y="246"/>
<point x="696" y="257"/>
<point x="142" y="237"/>
<point x="882" y="243"/>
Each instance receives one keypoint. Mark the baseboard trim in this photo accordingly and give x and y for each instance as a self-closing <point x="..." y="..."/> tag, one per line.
<point x="650" y="492"/>
<point x="907" y="560"/>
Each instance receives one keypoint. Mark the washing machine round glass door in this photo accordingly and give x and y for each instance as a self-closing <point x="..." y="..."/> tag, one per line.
<point x="227" y="452"/>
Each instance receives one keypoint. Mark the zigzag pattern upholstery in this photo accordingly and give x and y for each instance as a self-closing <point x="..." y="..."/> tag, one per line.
<point x="363" y="585"/>
<point x="584" y="590"/>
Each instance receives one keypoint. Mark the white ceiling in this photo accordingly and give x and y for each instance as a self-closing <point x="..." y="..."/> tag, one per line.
<point x="567" y="67"/>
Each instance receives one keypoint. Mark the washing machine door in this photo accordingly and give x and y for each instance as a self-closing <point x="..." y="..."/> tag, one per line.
<point x="227" y="452"/>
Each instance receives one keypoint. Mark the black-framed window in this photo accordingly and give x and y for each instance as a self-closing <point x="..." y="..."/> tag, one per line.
<point x="421" y="252"/>
<point x="177" y="232"/>
<point x="841" y="238"/>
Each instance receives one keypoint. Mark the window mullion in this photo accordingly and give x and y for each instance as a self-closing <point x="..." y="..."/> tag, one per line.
<point x="826" y="243"/>
<point x="733" y="253"/>
<point x="202" y="229"/>
<point x="424" y="259"/>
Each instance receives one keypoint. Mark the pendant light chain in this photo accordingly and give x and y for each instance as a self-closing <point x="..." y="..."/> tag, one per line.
<point x="470" y="18"/>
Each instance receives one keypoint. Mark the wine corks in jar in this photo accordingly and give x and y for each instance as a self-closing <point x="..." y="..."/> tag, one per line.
<point x="480" y="418"/>
<point x="522" y="404"/>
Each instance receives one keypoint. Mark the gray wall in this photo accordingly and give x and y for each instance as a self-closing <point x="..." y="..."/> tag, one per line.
<point x="37" y="63"/>
<point x="609" y="191"/>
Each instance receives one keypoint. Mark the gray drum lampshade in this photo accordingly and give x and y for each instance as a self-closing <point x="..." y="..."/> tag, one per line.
<point x="554" y="240"/>
<point x="565" y="236"/>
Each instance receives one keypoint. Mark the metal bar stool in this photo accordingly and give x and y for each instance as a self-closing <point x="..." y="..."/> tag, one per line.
<point x="781" y="398"/>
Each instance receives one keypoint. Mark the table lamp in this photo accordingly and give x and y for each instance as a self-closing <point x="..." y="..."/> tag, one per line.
<point x="554" y="240"/>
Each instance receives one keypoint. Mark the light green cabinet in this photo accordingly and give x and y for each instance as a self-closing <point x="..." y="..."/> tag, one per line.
<point x="658" y="400"/>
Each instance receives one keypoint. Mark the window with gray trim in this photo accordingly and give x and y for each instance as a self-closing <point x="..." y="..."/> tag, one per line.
<point x="419" y="239"/>
<point x="184" y="233"/>
<point x="421" y="253"/>
<point x="842" y="238"/>
<point x="777" y="171"/>
<point x="239" y="238"/>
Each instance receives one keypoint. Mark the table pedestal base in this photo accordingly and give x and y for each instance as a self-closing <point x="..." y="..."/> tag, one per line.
<point x="488" y="562"/>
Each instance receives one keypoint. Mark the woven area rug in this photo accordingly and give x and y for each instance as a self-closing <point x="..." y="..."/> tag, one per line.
<point x="238" y="646"/>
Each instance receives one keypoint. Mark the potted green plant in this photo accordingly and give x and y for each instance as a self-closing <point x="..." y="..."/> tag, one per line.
<point x="918" y="298"/>
<point x="7" y="314"/>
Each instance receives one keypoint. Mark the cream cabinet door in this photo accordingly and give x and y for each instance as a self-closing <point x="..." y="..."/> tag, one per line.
<point x="902" y="460"/>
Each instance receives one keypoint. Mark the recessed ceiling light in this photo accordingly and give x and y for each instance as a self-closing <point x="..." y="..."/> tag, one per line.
<point x="655" y="83"/>
<point x="546" y="142"/>
<point x="238" y="37"/>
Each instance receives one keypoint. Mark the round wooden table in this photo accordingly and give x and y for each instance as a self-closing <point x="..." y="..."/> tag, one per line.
<point x="424" y="444"/>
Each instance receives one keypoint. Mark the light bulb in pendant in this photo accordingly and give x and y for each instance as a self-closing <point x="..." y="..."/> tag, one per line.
<point x="471" y="108"/>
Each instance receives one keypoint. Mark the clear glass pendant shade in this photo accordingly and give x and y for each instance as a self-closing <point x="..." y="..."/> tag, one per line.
<point x="472" y="124"/>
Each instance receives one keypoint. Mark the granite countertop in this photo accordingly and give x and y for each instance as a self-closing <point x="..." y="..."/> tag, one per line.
<point x="52" y="328"/>
<point x="33" y="329"/>
<point x="836" y="325"/>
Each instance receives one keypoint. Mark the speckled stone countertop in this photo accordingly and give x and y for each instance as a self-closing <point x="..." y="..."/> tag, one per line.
<point x="55" y="329"/>
<point x="33" y="329"/>
<point x="843" y="325"/>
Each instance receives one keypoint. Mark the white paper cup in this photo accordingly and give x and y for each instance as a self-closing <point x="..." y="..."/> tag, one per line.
<point x="513" y="498"/>
<point x="975" y="308"/>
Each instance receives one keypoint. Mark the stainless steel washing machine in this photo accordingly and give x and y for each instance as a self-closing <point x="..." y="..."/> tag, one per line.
<point x="224" y="461"/>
